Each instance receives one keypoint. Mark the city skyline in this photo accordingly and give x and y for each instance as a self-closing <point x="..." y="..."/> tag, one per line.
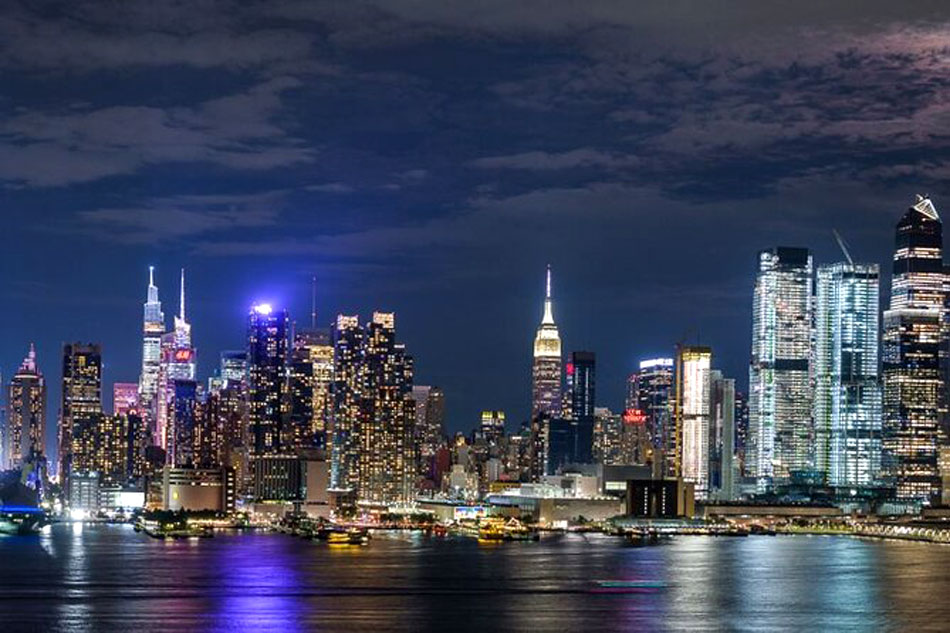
<point x="599" y="140"/>
<point x="179" y="328"/>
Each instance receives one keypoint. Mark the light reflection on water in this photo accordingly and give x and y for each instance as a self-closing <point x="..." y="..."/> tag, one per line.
<point x="108" y="578"/>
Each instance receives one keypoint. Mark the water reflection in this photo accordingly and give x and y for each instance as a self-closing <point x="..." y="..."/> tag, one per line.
<point x="107" y="578"/>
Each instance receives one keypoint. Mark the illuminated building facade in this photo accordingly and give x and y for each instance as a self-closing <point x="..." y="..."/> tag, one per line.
<point x="430" y="425"/>
<point x="178" y="362"/>
<point x="583" y="370"/>
<point x="350" y="408"/>
<point x="267" y="353"/>
<point x="781" y="434"/>
<point x="608" y="437"/>
<point x="310" y="380"/>
<point x="911" y="355"/>
<point x="387" y="452"/>
<point x="493" y="426"/>
<point x="153" y="327"/>
<point x="81" y="407"/>
<point x="723" y="469"/>
<point x="546" y="368"/>
<point x="650" y="392"/>
<point x="847" y="382"/>
<point x="125" y="397"/>
<point x="691" y="412"/>
<point x="24" y="438"/>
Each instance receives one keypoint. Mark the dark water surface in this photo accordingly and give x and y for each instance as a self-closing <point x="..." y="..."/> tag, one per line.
<point x="108" y="578"/>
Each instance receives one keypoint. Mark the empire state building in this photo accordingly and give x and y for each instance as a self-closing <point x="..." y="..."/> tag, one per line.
<point x="546" y="369"/>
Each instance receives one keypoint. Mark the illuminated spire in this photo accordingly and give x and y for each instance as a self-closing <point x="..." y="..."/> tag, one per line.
<point x="181" y="301"/>
<point x="29" y="363"/>
<point x="922" y="204"/>
<point x="548" y="318"/>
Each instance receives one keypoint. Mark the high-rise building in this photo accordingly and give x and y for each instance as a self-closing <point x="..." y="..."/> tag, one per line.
<point x="81" y="407"/>
<point x="387" y="453"/>
<point x="582" y="368"/>
<point x="911" y="355"/>
<point x="847" y="389"/>
<point x="125" y="397"/>
<point x="781" y="433"/>
<point x="546" y="369"/>
<point x="310" y="379"/>
<point x="178" y="362"/>
<point x="373" y="440"/>
<point x="493" y="426"/>
<point x="651" y="389"/>
<point x="234" y="366"/>
<point x="350" y="408"/>
<point x="742" y="432"/>
<point x="430" y="425"/>
<point x="24" y="437"/>
<point x="186" y="425"/>
<point x="691" y="412"/>
<point x="723" y="468"/>
<point x="152" y="329"/>
<point x="267" y="341"/>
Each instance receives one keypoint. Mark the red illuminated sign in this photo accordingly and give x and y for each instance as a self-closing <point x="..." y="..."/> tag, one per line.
<point x="182" y="355"/>
<point x="634" y="416"/>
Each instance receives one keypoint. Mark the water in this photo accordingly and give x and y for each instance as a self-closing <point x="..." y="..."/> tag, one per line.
<point x="108" y="578"/>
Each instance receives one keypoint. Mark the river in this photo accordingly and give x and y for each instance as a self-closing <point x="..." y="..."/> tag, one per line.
<point x="109" y="578"/>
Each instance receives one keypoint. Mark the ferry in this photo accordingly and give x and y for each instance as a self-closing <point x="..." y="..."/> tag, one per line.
<point x="497" y="529"/>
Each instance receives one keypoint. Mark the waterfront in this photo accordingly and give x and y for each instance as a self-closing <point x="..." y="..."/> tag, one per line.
<point x="108" y="578"/>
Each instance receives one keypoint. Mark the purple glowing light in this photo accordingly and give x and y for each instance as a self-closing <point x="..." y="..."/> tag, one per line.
<point x="263" y="308"/>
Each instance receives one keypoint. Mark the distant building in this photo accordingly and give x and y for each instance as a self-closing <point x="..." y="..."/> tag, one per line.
<point x="153" y="327"/>
<point x="692" y="413"/>
<point x="583" y="400"/>
<point x="546" y="367"/>
<point x="125" y="398"/>
<point x="81" y="407"/>
<point x="493" y="425"/>
<point x="310" y="380"/>
<point x="847" y="388"/>
<point x="781" y="434"/>
<point x="24" y="437"/>
<point x="430" y="424"/>
<point x="911" y="356"/>
<point x="650" y="392"/>
<point x="723" y="469"/>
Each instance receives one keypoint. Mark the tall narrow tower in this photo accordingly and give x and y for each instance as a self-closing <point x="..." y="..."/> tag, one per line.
<point x="546" y="369"/>
<point x="781" y="431"/>
<point x="152" y="330"/>
<point x="911" y="355"/>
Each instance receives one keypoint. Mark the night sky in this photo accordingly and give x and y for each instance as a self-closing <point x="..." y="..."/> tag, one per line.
<point x="431" y="157"/>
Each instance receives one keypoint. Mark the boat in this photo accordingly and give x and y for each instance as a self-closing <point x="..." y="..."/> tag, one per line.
<point x="493" y="529"/>
<point x="351" y="536"/>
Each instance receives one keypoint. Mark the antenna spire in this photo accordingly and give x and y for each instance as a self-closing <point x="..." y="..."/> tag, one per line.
<point x="182" y="299"/>
<point x="547" y="290"/>
<point x="313" y="302"/>
<point x="151" y="275"/>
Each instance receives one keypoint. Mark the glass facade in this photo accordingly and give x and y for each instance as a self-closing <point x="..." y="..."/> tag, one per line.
<point x="781" y="433"/>
<point x="911" y="355"/>
<point x="847" y="388"/>
<point x="692" y="415"/>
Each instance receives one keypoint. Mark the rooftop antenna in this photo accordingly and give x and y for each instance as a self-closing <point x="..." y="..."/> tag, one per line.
<point x="313" y="302"/>
<point x="843" y="246"/>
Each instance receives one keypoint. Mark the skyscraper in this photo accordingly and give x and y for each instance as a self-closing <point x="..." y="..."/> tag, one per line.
<point x="25" y="434"/>
<point x="722" y="437"/>
<point x="691" y="412"/>
<point x="652" y="388"/>
<point x="911" y="355"/>
<point x="152" y="329"/>
<point x="350" y="408"/>
<point x="267" y="332"/>
<point x="178" y="362"/>
<point x="81" y="407"/>
<point x="583" y="370"/>
<point x="310" y="379"/>
<point x="780" y="417"/>
<point x="546" y="369"/>
<point x="847" y="391"/>
<point x="430" y="424"/>
<point x="387" y="452"/>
